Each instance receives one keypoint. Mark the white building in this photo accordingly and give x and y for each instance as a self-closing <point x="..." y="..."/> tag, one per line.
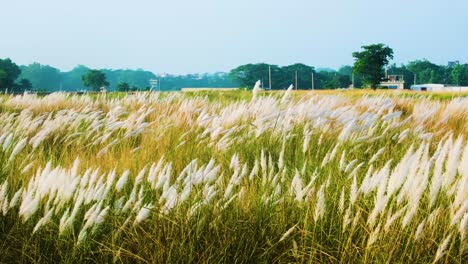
<point x="434" y="87"/>
<point x="393" y="82"/>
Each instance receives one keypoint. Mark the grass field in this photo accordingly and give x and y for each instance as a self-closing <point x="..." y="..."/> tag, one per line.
<point x="224" y="177"/>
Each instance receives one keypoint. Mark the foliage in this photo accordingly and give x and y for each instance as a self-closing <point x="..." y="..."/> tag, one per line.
<point x="282" y="77"/>
<point x="9" y="71"/>
<point x="459" y="75"/>
<point x="370" y="62"/>
<point x="94" y="79"/>
<point x="427" y="72"/>
<point x="123" y="87"/>
<point x="42" y="76"/>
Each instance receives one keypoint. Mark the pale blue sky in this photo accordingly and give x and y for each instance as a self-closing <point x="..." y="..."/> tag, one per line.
<point x="207" y="35"/>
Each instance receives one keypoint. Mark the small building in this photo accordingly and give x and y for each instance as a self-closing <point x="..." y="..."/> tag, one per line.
<point x="215" y="89"/>
<point x="434" y="87"/>
<point x="393" y="82"/>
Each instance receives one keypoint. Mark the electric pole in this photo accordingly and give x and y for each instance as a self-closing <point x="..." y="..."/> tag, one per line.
<point x="313" y="81"/>
<point x="296" y="80"/>
<point x="269" y="76"/>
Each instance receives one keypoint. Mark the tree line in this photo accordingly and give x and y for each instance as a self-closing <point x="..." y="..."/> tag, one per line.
<point x="45" y="78"/>
<point x="369" y="68"/>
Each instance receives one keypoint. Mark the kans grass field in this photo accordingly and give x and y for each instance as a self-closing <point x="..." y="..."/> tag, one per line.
<point x="232" y="177"/>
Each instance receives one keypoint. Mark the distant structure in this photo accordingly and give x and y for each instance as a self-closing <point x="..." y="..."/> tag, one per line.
<point x="434" y="87"/>
<point x="219" y="89"/>
<point x="451" y="64"/>
<point x="154" y="84"/>
<point x="393" y="82"/>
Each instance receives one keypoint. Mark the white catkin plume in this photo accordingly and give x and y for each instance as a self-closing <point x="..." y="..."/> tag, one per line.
<point x="320" y="206"/>
<point x="281" y="156"/>
<point x="377" y="155"/>
<point x="27" y="168"/>
<point x="5" y="206"/>
<point x="140" y="177"/>
<point x="373" y="236"/>
<point x="356" y="219"/>
<point x="16" y="197"/>
<point x="393" y="218"/>
<point x="143" y="214"/>
<point x="19" y="147"/>
<point x="354" y="191"/>
<point x="29" y="206"/>
<point x="3" y="191"/>
<point x="256" y="90"/>
<point x="43" y="221"/>
<point x="287" y="94"/>
<point x="122" y="181"/>
<point x="305" y="145"/>
<point x="82" y="236"/>
<point x="342" y="160"/>
<point x="7" y="141"/>
<point x="346" y="219"/>
<point x="463" y="226"/>
<point x="350" y="165"/>
<point x="254" y="171"/>
<point x="419" y="230"/>
<point x="441" y="250"/>
<point x="342" y="200"/>
<point x="287" y="233"/>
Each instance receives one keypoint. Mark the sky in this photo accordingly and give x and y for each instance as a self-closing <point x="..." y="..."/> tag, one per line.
<point x="208" y="36"/>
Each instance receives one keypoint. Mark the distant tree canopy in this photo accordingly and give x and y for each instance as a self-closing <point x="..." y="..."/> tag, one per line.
<point x="370" y="63"/>
<point x="10" y="79"/>
<point x="123" y="87"/>
<point x="9" y="71"/>
<point x="282" y="77"/>
<point x="46" y="78"/>
<point x="94" y="79"/>
<point x="42" y="77"/>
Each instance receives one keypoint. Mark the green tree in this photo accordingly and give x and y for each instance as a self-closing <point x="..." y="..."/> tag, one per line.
<point x="247" y="75"/>
<point x="428" y="72"/>
<point x="94" y="79"/>
<point x="370" y="63"/>
<point x="42" y="76"/>
<point x="123" y="87"/>
<point x="25" y="84"/>
<point x="347" y="70"/>
<point x="304" y="76"/>
<point x="9" y="71"/>
<point x="459" y="74"/>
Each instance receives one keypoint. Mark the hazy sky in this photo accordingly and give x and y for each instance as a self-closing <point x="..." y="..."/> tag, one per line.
<point x="206" y="35"/>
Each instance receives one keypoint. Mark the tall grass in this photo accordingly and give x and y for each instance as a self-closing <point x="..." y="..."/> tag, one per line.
<point x="282" y="177"/>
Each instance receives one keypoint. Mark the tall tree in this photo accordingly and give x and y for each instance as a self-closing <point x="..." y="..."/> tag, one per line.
<point x="123" y="87"/>
<point x="9" y="71"/>
<point x="304" y="75"/>
<point x="42" y="76"/>
<point x="370" y="63"/>
<point x="428" y="72"/>
<point x="94" y="79"/>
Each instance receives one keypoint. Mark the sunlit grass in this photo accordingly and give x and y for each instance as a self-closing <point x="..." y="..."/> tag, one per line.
<point x="308" y="176"/>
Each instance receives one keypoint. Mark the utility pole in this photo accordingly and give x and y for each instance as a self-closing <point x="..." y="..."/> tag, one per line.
<point x="313" y="81"/>
<point x="296" y="80"/>
<point x="269" y="76"/>
<point x="415" y="79"/>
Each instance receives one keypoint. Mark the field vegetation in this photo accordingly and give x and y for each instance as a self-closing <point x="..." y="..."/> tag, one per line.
<point x="234" y="177"/>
